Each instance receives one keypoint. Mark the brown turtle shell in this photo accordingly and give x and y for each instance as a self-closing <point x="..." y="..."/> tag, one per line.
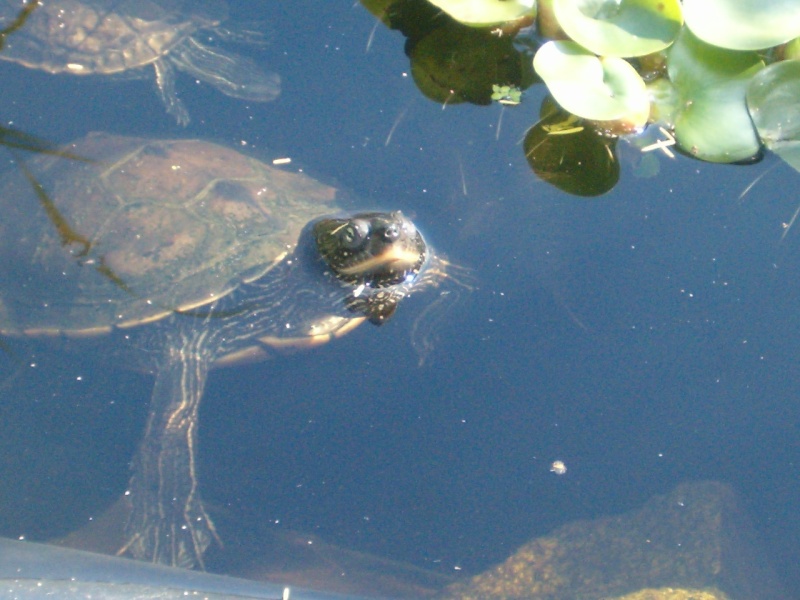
<point x="101" y="36"/>
<point x="88" y="37"/>
<point x="139" y="229"/>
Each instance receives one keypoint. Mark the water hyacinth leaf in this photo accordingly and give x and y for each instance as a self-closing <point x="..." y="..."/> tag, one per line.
<point x="487" y="12"/>
<point x="715" y="126"/>
<point x="712" y="121"/>
<point x="743" y="24"/>
<point x="601" y="89"/>
<point x="773" y="99"/>
<point x="622" y="28"/>
<point x="457" y="63"/>
<point x="665" y="102"/>
<point x="694" y="64"/>
<point x="569" y="155"/>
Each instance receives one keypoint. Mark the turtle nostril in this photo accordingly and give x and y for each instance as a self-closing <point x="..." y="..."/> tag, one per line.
<point x="392" y="232"/>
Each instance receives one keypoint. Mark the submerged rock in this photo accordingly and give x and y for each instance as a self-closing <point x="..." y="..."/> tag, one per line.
<point x="696" y="542"/>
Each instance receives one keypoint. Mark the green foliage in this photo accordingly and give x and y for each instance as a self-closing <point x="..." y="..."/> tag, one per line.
<point x="743" y="24"/>
<point x="623" y="29"/>
<point x="487" y="12"/>
<point x="601" y="89"/>
<point x="773" y="99"/>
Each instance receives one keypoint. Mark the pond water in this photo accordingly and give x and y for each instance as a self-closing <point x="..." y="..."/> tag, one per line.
<point x="645" y="338"/>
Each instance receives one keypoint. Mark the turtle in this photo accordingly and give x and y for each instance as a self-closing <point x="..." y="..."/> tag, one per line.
<point x="87" y="37"/>
<point x="190" y="255"/>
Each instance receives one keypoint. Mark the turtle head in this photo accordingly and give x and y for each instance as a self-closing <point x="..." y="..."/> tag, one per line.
<point x="377" y="255"/>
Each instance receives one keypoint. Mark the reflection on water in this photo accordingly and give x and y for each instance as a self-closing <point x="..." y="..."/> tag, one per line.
<point x="640" y="338"/>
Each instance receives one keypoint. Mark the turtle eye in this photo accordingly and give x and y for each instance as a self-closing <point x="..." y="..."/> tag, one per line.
<point x="354" y="233"/>
<point x="391" y="232"/>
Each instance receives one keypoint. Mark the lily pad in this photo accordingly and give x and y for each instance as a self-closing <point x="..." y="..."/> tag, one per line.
<point x="487" y="12"/>
<point x="773" y="98"/>
<point x="743" y="24"/>
<point x="621" y="28"/>
<point x="601" y="89"/>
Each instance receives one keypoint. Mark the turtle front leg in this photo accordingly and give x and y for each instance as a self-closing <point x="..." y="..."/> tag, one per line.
<point x="168" y="523"/>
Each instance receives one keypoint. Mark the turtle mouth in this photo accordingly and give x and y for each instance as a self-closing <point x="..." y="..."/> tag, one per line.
<point x="391" y="260"/>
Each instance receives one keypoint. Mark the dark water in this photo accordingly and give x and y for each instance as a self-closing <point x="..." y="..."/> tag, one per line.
<point x="645" y="338"/>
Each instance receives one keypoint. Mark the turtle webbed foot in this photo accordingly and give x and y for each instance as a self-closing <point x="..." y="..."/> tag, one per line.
<point x="179" y="536"/>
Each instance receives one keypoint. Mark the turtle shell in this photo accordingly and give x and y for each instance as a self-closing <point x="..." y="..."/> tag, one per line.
<point x="101" y="36"/>
<point x="139" y="229"/>
<point x="224" y="258"/>
<point x="88" y="37"/>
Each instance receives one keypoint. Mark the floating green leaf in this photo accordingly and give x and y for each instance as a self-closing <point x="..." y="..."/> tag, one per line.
<point x="712" y="122"/>
<point x="773" y="98"/>
<point x="601" y="89"/>
<point x="569" y="154"/>
<point x="694" y="64"/>
<point x="620" y="27"/>
<point x="506" y="94"/>
<point x="457" y="63"/>
<point x="665" y="102"/>
<point x="487" y="12"/>
<point x="715" y="126"/>
<point x="743" y="24"/>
